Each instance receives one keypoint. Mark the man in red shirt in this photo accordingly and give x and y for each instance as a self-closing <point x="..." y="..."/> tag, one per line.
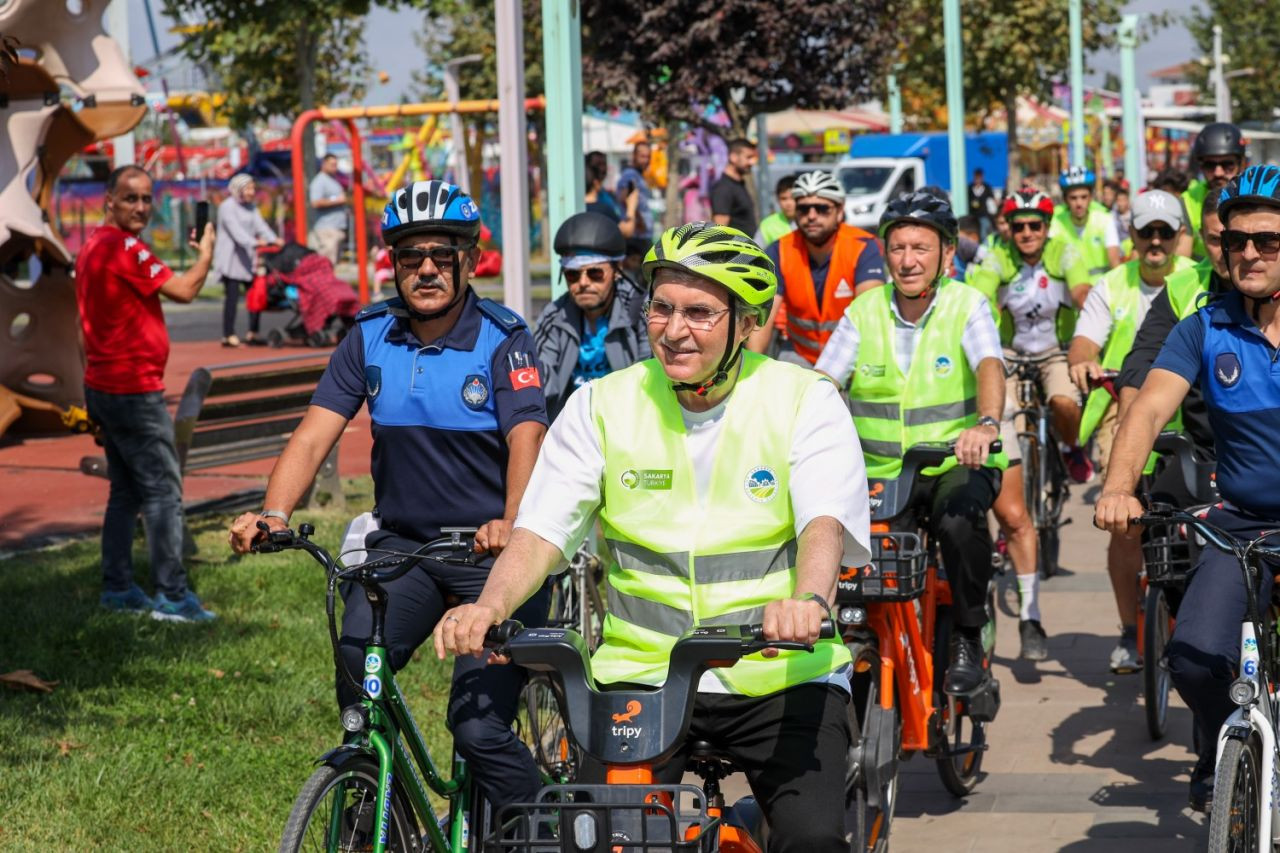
<point x="118" y="285"/>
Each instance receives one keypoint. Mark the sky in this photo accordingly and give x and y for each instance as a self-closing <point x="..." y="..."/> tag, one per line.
<point x="389" y="36"/>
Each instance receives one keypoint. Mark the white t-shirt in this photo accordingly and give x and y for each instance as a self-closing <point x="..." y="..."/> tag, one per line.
<point x="1095" y="316"/>
<point x="828" y="477"/>
<point x="1033" y="299"/>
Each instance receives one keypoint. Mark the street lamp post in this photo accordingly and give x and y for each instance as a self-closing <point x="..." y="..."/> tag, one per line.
<point x="955" y="105"/>
<point x="562" y="68"/>
<point x="513" y="157"/>
<point x="1077" y="83"/>
<point x="461" y="175"/>
<point x="1127" y="36"/>
<point x="1221" y="94"/>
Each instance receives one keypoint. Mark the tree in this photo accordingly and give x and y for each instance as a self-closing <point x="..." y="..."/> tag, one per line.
<point x="1011" y="48"/>
<point x="672" y="60"/>
<point x="1250" y="33"/>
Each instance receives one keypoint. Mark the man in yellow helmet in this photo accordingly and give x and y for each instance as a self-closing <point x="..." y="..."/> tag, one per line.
<point x="731" y="489"/>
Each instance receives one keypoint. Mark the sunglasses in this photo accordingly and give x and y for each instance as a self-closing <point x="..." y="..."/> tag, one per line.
<point x="820" y="209"/>
<point x="1035" y="226"/>
<point x="1164" y="232"/>
<point x="595" y="274"/>
<point x="1229" y="167"/>
<point x="1266" y="242"/>
<point x="695" y="317"/>
<point x="412" y="257"/>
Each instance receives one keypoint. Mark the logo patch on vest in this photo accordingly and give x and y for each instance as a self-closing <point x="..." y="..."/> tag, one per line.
<point x="475" y="391"/>
<point x="843" y="290"/>
<point x="1226" y="367"/>
<point x="649" y="479"/>
<point x="871" y="370"/>
<point x="762" y="485"/>
<point x="372" y="380"/>
<point x="942" y="365"/>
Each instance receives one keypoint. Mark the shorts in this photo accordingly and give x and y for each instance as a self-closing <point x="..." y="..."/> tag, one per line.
<point x="1105" y="438"/>
<point x="1055" y="380"/>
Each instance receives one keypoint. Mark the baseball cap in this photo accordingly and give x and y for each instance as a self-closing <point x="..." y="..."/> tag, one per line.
<point x="1157" y="206"/>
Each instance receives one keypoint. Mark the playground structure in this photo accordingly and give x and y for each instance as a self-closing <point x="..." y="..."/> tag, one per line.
<point x="349" y="117"/>
<point x="71" y="87"/>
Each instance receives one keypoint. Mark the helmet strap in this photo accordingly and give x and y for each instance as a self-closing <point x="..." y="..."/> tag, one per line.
<point x="727" y="360"/>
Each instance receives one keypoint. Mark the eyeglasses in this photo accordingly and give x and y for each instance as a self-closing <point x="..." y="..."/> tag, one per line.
<point x="1164" y="232"/>
<point x="595" y="274"/>
<point x="696" y="317"/>
<point x="820" y="209"/>
<point x="1035" y="226"/>
<point x="411" y="257"/>
<point x="1266" y="242"/>
<point x="133" y="198"/>
<point x="1228" y="167"/>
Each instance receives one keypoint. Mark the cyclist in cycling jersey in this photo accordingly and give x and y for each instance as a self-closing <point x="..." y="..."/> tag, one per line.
<point x="731" y="488"/>
<point x="1229" y="348"/>
<point x="596" y="327"/>
<point x="1219" y="153"/>
<point x="453" y="392"/>
<point x="1085" y="223"/>
<point x="922" y="363"/>
<point x="1114" y="310"/>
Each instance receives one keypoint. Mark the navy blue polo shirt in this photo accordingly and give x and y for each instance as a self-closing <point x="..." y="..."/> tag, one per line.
<point x="1236" y="367"/>
<point x="441" y="412"/>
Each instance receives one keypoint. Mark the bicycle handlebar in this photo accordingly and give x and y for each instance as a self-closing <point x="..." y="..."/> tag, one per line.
<point x="1105" y="382"/>
<point x="370" y="572"/>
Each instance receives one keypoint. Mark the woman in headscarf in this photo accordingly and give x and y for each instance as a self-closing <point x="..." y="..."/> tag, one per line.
<point x="241" y="229"/>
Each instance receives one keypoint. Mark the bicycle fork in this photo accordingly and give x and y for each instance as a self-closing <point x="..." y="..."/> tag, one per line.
<point x="1253" y="718"/>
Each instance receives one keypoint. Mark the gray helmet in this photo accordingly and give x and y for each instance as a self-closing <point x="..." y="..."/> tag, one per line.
<point x="922" y="208"/>
<point x="820" y="184"/>
<point x="1219" y="139"/>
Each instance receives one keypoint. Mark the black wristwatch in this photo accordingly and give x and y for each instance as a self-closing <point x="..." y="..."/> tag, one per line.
<point x="813" y="596"/>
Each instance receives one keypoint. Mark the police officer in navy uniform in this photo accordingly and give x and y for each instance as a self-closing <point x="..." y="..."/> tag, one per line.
<point x="455" y="396"/>
<point x="1229" y="348"/>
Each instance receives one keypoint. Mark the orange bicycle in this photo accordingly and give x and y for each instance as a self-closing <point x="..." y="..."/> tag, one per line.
<point x="894" y="616"/>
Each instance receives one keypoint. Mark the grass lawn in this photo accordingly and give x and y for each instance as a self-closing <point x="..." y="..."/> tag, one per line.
<point x="174" y="737"/>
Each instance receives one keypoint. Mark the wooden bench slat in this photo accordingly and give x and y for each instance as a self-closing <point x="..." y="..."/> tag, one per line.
<point x="240" y="383"/>
<point x="249" y="407"/>
<point x="243" y="432"/>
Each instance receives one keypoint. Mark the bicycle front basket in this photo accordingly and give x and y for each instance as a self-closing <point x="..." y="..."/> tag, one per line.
<point x="896" y="571"/>
<point x="1166" y="554"/>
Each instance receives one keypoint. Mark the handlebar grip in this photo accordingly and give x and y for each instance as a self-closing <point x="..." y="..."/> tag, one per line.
<point x="756" y="633"/>
<point x="499" y="635"/>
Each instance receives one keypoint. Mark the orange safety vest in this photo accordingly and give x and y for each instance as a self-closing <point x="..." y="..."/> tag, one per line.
<point x="808" y="326"/>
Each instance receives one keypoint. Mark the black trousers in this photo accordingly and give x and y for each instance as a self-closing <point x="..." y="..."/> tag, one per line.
<point x="957" y="505"/>
<point x="793" y="747"/>
<point x="484" y="699"/>
<point x="230" y="302"/>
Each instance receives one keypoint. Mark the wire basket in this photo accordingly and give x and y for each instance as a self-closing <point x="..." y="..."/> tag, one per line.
<point x="607" y="818"/>
<point x="896" y="571"/>
<point x="1167" y="555"/>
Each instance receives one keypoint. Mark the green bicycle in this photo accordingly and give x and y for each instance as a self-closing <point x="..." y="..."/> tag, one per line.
<point x="370" y="794"/>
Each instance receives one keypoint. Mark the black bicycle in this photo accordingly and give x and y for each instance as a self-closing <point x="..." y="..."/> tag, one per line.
<point x="1044" y="474"/>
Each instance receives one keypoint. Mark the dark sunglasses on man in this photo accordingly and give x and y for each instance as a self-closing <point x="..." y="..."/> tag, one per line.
<point x="820" y="209"/>
<point x="1164" y="232"/>
<point x="411" y="257"/>
<point x="1035" y="226"/>
<point x="595" y="274"/>
<point x="1266" y="242"/>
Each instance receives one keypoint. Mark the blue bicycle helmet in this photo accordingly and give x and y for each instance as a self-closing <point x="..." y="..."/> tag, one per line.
<point x="1077" y="176"/>
<point x="432" y="207"/>
<point x="1256" y="185"/>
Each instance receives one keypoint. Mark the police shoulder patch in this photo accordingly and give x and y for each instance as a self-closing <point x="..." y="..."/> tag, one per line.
<point x="377" y="309"/>
<point x="506" y="319"/>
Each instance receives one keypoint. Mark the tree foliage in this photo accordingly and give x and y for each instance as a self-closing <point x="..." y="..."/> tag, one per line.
<point x="1250" y="33"/>
<point x="672" y="60"/>
<point x="277" y="57"/>
<point x="455" y="28"/>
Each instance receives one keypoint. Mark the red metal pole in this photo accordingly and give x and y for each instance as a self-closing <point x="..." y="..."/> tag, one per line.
<point x="300" y="175"/>
<point x="357" y="209"/>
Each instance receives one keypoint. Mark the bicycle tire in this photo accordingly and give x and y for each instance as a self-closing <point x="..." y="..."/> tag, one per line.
<point x="871" y="825"/>
<point x="360" y="780"/>
<point x="959" y="771"/>
<point x="544" y="729"/>
<point x="1155" y="669"/>
<point x="1233" y="820"/>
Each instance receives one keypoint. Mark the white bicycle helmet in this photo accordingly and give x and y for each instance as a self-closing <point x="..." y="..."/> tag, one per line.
<point x="820" y="184"/>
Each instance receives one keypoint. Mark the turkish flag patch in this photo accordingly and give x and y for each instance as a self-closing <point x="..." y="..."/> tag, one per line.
<point x="525" y="377"/>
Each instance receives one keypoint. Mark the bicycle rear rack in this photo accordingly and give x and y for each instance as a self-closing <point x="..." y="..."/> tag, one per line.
<point x="896" y="572"/>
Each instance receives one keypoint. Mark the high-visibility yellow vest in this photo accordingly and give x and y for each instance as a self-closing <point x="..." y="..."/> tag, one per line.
<point x="1124" y="298"/>
<point x="1091" y="241"/>
<point x="1188" y="289"/>
<point x="935" y="401"/>
<point x="1193" y="199"/>
<point x="679" y="562"/>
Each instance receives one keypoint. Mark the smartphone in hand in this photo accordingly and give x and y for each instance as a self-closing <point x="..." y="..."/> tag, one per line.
<point x="202" y="219"/>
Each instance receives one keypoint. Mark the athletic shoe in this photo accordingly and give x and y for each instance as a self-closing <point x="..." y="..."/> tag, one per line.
<point x="185" y="609"/>
<point x="1034" y="644"/>
<point x="1200" y="797"/>
<point x="1078" y="465"/>
<point x="1125" y="658"/>
<point x="131" y="600"/>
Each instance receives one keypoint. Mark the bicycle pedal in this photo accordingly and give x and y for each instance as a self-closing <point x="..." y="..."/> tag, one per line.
<point x="1065" y="522"/>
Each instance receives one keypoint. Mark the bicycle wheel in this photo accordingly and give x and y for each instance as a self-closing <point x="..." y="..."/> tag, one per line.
<point x="544" y="729"/>
<point x="876" y="736"/>
<point x="1233" y="822"/>
<point x="1155" y="669"/>
<point x="1029" y="447"/>
<point x="336" y="808"/>
<point x="961" y="739"/>
<point x="1054" y="493"/>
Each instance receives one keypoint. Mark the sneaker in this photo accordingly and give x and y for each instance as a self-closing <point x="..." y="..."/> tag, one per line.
<point x="1078" y="465"/>
<point x="965" y="671"/>
<point x="185" y="609"/>
<point x="132" y="600"/>
<point x="1200" y="797"/>
<point x="1034" y="644"/>
<point x="1124" y="657"/>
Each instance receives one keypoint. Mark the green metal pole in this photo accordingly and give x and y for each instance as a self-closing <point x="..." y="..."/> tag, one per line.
<point x="1105" y="165"/>
<point x="1127" y="36"/>
<point x="1077" y="83"/>
<point x="562" y="68"/>
<point x="955" y="105"/>
<point x="895" y="105"/>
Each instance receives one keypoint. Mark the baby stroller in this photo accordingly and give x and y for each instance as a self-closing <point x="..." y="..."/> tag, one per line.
<point x="296" y="279"/>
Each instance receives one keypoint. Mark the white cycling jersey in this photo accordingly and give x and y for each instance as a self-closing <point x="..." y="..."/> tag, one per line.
<point x="1033" y="299"/>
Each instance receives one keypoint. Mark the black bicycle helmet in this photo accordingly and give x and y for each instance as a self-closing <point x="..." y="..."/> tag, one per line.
<point x="922" y="208"/>
<point x="1219" y="139"/>
<point x="590" y="234"/>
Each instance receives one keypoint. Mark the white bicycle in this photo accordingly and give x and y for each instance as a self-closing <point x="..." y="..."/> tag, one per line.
<point x="1246" y="802"/>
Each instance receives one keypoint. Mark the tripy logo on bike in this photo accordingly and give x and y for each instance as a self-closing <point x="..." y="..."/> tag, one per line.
<point x="627" y="716"/>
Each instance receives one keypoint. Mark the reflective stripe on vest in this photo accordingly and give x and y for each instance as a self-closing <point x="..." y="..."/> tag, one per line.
<point x="1124" y="299"/>
<point x="678" y="561"/>
<point x="808" y="326"/>
<point x="940" y="390"/>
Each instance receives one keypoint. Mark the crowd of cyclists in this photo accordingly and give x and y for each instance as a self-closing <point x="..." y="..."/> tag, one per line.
<point x="717" y="413"/>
